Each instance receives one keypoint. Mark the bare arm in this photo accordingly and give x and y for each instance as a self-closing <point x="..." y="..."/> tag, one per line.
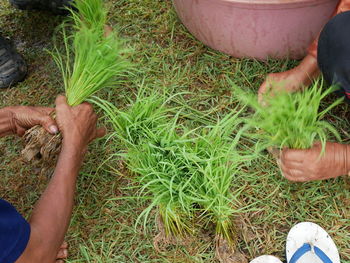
<point x="52" y="213"/>
<point x="344" y="5"/>
<point x="17" y="119"/>
<point x="5" y="122"/>
<point x="304" y="73"/>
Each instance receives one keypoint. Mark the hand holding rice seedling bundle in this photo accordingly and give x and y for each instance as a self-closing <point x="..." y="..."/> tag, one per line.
<point x="291" y="120"/>
<point x="92" y="60"/>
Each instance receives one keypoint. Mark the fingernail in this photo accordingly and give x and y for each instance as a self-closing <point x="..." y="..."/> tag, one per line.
<point x="53" y="129"/>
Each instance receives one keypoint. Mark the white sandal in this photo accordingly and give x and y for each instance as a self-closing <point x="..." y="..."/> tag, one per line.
<point x="309" y="243"/>
<point x="266" y="259"/>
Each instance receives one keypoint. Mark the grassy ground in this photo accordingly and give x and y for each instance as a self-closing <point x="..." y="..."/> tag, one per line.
<point x="168" y="57"/>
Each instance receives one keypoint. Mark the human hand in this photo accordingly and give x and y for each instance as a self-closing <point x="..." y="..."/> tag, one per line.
<point x="308" y="165"/>
<point x="25" y="117"/>
<point x="291" y="80"/>
<point x="77" y="124"/>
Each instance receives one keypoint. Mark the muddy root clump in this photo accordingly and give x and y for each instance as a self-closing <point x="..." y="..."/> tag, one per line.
<point x="41" y="149"/>
<point x="161" y="241"/>
<point x="225" y="253"/>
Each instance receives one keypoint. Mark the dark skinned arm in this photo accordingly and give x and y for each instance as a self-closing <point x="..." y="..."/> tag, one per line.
<point x="17" y="119"/>
<point x="52" y="213"/>
<point x="302" y="75"/>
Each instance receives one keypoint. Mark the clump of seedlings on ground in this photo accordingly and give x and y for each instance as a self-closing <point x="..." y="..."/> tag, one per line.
<point x="187" y="174"/>
<point x="292" y="120"/>
<point x="92" y="59"/>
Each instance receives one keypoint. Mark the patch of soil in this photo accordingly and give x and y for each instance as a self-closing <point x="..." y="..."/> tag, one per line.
<point x="225" y="253"/>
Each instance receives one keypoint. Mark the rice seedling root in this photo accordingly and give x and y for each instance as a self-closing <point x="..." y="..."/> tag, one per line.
<point x="226" y="253"/>
<point x="162" y="240"/>
<point x="42" y="149"/>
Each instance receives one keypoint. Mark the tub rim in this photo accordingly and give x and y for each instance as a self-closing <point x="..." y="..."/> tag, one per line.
<point x="268" y="4"/>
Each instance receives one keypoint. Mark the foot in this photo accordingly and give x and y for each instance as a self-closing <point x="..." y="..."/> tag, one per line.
<point x="54" y="6"/>
<point x="62" y="253"/>
<point x="12" y="66"/>
<point x="309" y="243"/>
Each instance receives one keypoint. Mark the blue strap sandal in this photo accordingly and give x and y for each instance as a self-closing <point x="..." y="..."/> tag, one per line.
<point x="309" y="243"/>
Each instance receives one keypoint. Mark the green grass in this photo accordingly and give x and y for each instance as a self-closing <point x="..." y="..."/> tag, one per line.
<point x="168" y="58"/>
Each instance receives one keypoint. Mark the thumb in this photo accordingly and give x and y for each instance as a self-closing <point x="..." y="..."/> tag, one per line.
<point x="262" y="92"/>
<point x="48" y="123"/>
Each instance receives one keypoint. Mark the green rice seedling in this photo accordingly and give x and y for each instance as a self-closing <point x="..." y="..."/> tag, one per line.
<point x="153" y="152"/>
<point x="219" y="161"/>
<point x="146" y="114"/>
<point x="163" y="174"/>
<point x="291" y="120"/>
<point x="92" y="60"/>
<point x="184" y="172"/>
<point x="91" y="13"/>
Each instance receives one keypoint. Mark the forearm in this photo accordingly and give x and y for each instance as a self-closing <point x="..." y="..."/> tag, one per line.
<point x="344" y="5"/>
<point x="310" y="67"/>
<point x="52" y="213"/>
<point x="6" y="125"/>
<point x="306" y="72"/>
<point x="347" y="160"/>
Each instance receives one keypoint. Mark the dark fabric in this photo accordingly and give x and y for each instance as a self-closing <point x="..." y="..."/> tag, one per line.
<point x="14" y="233"/>
<point x="333" y="53"/>
<point x="55" y="6"/>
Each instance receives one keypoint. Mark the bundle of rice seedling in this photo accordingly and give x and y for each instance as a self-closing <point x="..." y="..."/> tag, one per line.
<point x="132" y="126"/>
<point x="186" y="174"/>
<point x="292" y="120"/>
<point x="219" y="160"/>
<point x="90" y="62"/>
<point x="151" y="149"/>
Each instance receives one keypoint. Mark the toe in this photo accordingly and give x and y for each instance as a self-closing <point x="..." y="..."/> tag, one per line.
<point x="62" y="254"/>
<point x="64" y="245"/>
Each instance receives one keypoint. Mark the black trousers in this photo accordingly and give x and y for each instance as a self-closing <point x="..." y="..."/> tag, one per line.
<point x="333" y="53"/>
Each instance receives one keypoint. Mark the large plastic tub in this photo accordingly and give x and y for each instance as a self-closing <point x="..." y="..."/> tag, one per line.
<point x="256" y="28"/>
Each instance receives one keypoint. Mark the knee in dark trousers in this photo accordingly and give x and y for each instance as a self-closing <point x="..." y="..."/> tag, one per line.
<point x="333" y="53"/>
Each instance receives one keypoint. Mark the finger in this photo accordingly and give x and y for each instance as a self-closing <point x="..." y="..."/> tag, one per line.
<point x="20" y="131"/>
<point x="61" y="100"/>
<point x="290" y="164"/>
<point x="48" y="123"/>
<point x="291" y="155"/>
<point x="84" y="105"/>
<point x="274" y="151"/>
<point x="294" y="175"/>
<point x="62" y="254"/>
<point x="46" y="110"/>
<point x="108" y="31"/>
<point x="261" y="93"/>
<point x="100" y="132"/>
<point x="64" y="245"/>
